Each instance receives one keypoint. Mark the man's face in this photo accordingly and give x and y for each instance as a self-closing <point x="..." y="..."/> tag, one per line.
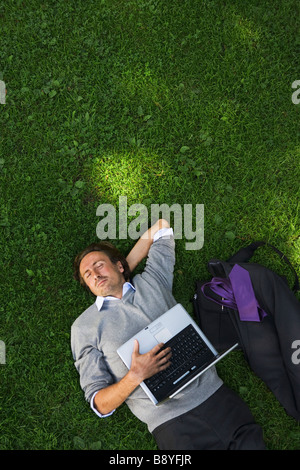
<point x="102" y="276"/>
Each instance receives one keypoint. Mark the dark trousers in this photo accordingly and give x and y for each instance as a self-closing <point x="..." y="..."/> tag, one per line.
<point x="222" y="422"/>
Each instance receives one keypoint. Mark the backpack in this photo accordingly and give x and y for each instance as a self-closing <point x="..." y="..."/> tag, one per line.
<point x="271" y="346"/>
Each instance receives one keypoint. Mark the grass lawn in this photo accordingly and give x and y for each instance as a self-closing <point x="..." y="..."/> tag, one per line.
<point x="162" y="101"/>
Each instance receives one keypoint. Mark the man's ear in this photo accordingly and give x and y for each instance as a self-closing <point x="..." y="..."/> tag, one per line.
<point x="120" y="266"/>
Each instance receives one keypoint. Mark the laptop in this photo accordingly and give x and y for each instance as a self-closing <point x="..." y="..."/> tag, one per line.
<point x="192" y="353"/>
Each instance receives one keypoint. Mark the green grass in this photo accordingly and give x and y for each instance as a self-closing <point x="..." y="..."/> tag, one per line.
<point x="162" y="102"/>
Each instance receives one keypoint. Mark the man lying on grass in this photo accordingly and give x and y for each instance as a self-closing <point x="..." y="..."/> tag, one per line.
<point x="206" y="414"/>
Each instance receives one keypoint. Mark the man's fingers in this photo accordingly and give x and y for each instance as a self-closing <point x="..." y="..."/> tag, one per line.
<point x="164" y="363"/>
<point x="163" y="357"/>
<point x="164" y="353"/>
<point x="157" y="348"/>
<point x="136" y="347"/>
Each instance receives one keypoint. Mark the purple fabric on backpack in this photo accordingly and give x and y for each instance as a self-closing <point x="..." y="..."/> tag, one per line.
<point x="237" y="293"/>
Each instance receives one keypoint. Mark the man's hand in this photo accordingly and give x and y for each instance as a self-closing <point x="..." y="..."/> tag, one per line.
<point x="146" y="365"/>
<point x="142" y="367"/>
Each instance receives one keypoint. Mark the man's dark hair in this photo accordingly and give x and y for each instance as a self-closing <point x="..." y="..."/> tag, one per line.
<point x="107" y="248"/>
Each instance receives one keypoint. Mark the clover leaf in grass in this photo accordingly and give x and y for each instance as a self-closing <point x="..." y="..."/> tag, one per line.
<point x="230" y="235"/>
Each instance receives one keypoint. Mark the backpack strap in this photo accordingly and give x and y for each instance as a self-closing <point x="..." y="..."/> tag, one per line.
<point x="246" y="253"/>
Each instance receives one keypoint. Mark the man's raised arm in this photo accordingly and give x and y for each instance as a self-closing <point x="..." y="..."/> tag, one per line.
<point x="142" y="246"/>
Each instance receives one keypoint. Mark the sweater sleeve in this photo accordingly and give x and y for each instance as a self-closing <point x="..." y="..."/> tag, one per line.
<point x="161" y="260"/>
<point x="89" y="362"/>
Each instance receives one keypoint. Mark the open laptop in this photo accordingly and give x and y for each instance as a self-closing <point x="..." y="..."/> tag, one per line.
<point x="192" y="352"/>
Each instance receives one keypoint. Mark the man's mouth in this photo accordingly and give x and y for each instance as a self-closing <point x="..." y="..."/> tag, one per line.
<point x="100" y="282"/>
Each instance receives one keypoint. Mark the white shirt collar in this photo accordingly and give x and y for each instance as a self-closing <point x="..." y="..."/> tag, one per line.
<point x="100" y="300"/>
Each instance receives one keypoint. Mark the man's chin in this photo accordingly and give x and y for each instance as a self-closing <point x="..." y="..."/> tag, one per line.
<point x="102" y="292"/>
<point x="105" y="289"/>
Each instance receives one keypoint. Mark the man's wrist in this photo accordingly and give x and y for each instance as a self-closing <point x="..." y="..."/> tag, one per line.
<point x="150" y="233"/>
<point x="133" y="378"/>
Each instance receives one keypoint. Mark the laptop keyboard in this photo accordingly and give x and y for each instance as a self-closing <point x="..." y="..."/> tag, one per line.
<point x="190" y="354"/>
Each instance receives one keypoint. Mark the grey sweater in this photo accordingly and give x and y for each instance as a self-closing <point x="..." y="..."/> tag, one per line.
<point x="96" y="335"/>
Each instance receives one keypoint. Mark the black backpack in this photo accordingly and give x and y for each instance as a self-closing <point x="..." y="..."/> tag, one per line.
<point x="271" y="346"/>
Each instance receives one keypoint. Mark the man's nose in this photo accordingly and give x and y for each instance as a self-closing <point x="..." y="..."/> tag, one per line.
<point x="97" y="275"/>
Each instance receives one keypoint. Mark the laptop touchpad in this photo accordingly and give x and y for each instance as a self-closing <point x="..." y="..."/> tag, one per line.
<point x="163" y="335"/>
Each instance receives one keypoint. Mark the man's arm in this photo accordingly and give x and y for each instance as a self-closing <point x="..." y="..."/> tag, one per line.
<point x="142" y="246"/>
<point x="142" y="367"/>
